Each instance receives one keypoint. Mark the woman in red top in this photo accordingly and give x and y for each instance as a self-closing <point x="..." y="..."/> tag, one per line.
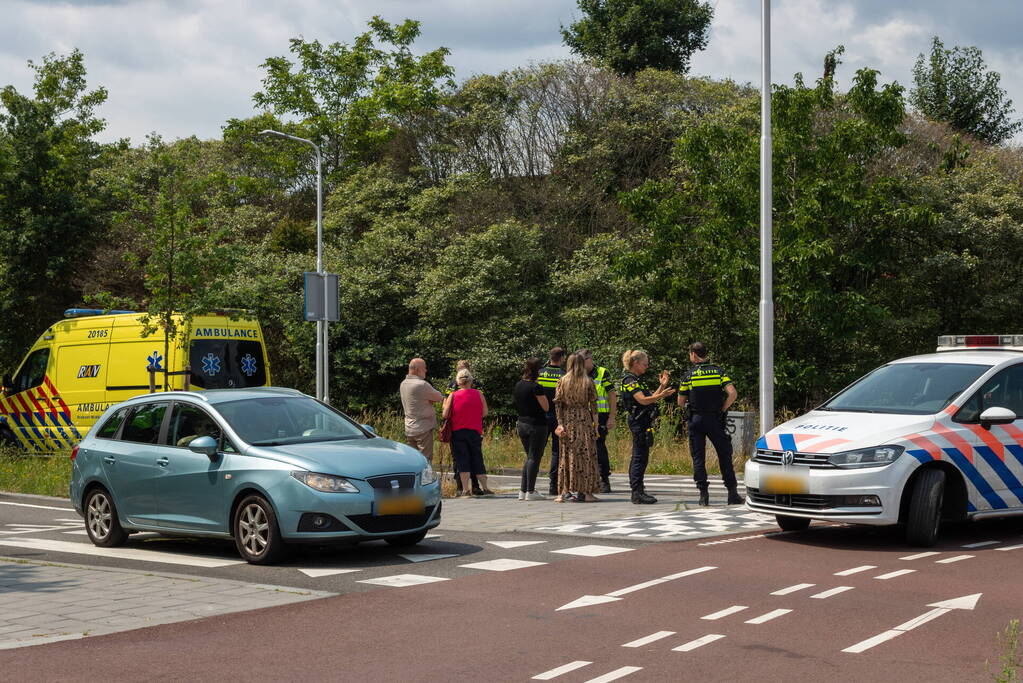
<point x="466" y="407"/>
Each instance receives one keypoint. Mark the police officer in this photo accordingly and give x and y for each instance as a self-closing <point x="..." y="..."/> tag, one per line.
<point x="709" y="393"/>
<point x="641" y="405"/>
<point x="548" y="380"/>
<point x="607" y="410"/>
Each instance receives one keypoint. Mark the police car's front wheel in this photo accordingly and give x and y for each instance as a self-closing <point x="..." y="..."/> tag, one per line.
<point x="924" y="516"/>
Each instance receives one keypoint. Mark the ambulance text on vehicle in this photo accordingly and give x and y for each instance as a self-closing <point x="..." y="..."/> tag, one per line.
<point x="918" y="441"/>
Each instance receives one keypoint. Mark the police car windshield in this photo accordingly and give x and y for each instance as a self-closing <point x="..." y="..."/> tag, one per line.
<point x="278" y="421"/>
<point x="906" y="388"/>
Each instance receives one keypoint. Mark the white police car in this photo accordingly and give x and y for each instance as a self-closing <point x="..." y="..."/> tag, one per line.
<point x="917" y="441"/>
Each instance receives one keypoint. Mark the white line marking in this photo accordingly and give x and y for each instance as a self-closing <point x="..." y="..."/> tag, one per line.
<point x="119" y="553"/>
<point x="871" y="642"/>
<point x="1010" y="547"/>
<point x="967" y="602"/>
<point x="793" y="589"/>
<point x="513" y="544"/>
<point x="592" y="550"/>
<point x="646" y="640"/>
<point x="957" y="558"/>
<point x="501" y="565"/>
<point x="564" y="669"/>
<point x="725" y="612"/>
<point x="833" y="591"/>
<point x="894" y="574"/>
<point x="425" y="557"/>
<point x="616" y="674"/>
<point x="981" y="544"/>
<point x="77" y="532"/>
<point x="856" y="570"/>
<point x="41" y="507"/>
<point x="64" y="519"/>
<point x="773" y="614"/>
<point x="919" y="556"/>
<point x="699" y="642"/>
<point x="402" y="580"/>
<point x="316" y="572"/>
<point x="588" y="601"/>
<point x="31" y="526"/>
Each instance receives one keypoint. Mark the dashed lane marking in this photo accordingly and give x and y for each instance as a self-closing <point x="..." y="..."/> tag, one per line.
<point x="592" y="550"/>
<point x="563" y="669"/>
<point x="856" y="570"/>
<point x="793" y="589"/>
<point x="832" y="591"/>
<point x="40" y="507"/>
<point x="699" y="642"/>
<point x="1010" y="547"/>
<point x="957" y="558"/>
<point x="894" y="574"/>
<point x="76" y="532"/>
<point x="501" y="565"/>
<point x="981" y="544"/>
<point x="616" y="674"/>
<point x="646" y="640"/>
<point x="426" y="557"/>
<point x="919" y="556"/>
<point x="317" y="572"/>
<point x="403" y="580"/>
<point x="118" y="553"/>
<point x="513" y="544"/>
<point x="773" y="614"/>
<point x="720" y="614"/>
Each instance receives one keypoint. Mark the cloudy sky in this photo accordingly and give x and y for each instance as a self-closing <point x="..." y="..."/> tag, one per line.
<point x="183" y="67"/>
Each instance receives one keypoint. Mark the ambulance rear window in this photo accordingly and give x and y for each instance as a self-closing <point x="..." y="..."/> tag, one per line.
<point x="226" y="364"/>
<point x="907" y="388"/>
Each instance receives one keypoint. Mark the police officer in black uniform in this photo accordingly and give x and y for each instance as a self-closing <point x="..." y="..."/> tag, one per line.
<point x="548" y="381"/>
<point x="641" y="405"/>
<point x="709" y="393"/>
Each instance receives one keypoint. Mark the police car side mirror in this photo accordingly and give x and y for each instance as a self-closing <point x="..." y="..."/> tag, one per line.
<point x="206" y="445"/>
<point x="996" y="416"/>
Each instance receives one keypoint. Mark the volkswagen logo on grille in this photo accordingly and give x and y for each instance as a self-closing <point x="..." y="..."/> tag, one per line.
<point x="787" y="458"/>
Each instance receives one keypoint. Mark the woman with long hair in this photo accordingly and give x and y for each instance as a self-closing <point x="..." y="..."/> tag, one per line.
<point x="641" y="405"/>
<point x="531" y="405"/>
<point x="575" y="403"/>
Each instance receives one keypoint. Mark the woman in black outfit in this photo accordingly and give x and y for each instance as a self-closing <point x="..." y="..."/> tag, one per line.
<point x="531" y="404"/>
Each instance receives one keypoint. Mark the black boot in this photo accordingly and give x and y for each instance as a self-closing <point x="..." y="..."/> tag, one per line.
<point x="553" y="490"/>
<point x="704" y="498"/>
<point x="605" y="485"/>
<point x="734" y="498"/>
<point x="643" y="498"/>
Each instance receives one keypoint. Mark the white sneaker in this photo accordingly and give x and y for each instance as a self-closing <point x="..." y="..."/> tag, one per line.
<point x="533" y="495"/>
<point x="522" y="495"/>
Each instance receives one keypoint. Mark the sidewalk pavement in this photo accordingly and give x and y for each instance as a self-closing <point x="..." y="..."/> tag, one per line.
<point x="46" y="602"/>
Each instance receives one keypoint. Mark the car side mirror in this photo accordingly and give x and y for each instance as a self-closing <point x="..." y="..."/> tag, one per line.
<point x="996" y="416"/>
<point x="206" y="445"/>
<point x="370" y="430"/>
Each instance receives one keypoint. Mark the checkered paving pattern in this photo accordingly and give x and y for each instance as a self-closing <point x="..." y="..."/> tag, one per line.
<point x="678" y="525"/>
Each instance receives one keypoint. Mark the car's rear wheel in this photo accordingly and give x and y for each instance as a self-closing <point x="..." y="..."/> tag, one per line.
<point x="789" y="523"/>
<point x="256" y="533"/>
<point x="923" y="519"/>
<point x="406" y="540"/>
<point x="101" y="521"/>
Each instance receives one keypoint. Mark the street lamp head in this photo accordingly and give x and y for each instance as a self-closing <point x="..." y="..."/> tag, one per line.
<point x="268" y="132"/>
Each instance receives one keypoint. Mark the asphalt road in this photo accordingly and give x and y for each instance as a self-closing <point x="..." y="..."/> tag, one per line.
<point x="832" y="603"/>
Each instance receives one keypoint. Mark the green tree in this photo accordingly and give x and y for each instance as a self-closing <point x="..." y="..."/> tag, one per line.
<point x="49" y="204"/>
<point x="955" y="86"/>
<point x="628" y="36"/>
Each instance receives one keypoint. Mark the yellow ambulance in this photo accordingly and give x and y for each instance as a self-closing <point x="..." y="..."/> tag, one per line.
<point x="92" y="359"/>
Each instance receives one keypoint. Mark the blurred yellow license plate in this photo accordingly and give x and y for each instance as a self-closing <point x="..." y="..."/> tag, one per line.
<point x="400" y="505"/>
<point x="790" y="480"/>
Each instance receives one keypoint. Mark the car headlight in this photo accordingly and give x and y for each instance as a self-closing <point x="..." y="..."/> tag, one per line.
<point x="427" y="476"/>
<point x="878" y="456"/>
<point x="328" y="483"/>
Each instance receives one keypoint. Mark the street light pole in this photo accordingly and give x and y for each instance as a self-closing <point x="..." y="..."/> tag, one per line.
<point x="766" y="230"/>
<point x="322" y="345"/>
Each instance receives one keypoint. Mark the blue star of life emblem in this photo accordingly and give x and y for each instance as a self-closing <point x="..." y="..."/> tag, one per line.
<point x="210" y="364"/>
<point x="248" y="365"/>
<point x="154" y="361"/>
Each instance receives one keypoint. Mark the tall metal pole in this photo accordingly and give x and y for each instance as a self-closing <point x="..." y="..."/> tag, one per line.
<point x="766" y="230"/>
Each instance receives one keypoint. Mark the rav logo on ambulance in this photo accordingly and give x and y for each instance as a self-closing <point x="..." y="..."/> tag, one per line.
<point x="39" y="419"/>
<point x="88" y="371"/>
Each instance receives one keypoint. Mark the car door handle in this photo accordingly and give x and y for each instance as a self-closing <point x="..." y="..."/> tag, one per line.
<point x="110" y="460"/>
<point x="163" y="462"/>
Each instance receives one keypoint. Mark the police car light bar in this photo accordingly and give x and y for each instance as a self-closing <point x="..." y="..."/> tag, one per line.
<point x="980" y="341"/>
<point x="83" y="312"/>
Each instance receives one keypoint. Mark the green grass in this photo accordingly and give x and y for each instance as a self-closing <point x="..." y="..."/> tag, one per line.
<point x="43" y="475"/>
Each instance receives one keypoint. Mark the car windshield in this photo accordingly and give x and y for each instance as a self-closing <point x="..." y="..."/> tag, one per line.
<point x="907" y="388"/>
<point x="280" y="420"/>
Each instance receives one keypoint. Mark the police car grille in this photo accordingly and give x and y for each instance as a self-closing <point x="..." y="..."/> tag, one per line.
<point x="800" y="501"/>
<point x="813" y="460"/>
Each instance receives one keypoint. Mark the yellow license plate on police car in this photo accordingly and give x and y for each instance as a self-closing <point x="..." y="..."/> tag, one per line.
<point x="785" y="481"/>
<point x="400" y="505"/>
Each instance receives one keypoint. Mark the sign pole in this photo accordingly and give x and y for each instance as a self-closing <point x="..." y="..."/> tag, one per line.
<point x="766" y="230"/>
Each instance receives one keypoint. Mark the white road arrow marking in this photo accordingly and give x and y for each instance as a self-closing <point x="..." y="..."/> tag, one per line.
<point x="940" y="608"/>
<point x="587" y="600"/>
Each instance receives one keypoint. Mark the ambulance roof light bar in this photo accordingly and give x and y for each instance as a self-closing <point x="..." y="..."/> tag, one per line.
<point x="83" y="312"/>
<point x="974" y="341"/>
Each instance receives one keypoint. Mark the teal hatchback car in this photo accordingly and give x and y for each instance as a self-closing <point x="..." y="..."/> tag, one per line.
<point x="267" y="467"/>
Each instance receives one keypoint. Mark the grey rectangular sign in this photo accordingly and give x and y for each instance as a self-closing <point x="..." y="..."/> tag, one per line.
<point x="315" y="308"/>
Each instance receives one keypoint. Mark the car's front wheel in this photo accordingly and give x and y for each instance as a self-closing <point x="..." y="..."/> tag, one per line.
<point x="923" y="519"/>
<point x="788" y="523"/>
<point x="256" y="533"/>
<point x="406" y="540"/>
<point x="101" y="521"/>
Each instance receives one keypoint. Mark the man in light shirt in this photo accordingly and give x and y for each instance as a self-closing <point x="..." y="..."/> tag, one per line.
<point x="417" y="398"/>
